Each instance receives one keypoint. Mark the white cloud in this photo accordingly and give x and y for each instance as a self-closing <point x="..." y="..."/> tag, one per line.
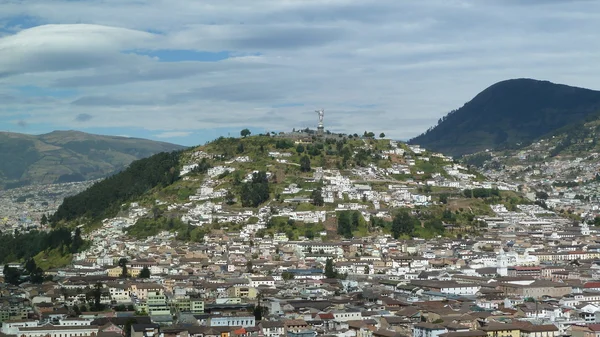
<point x="388" y="65"/>
<point x="173" y="134"/>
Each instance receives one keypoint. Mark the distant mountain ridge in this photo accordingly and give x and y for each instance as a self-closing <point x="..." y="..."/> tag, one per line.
<point x="65" y="156"/>
<point x="510" y="113"/>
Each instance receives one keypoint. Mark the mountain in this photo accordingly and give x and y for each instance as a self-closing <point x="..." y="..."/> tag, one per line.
<point x="509" y="114"/>
<point x="66" y="156"/>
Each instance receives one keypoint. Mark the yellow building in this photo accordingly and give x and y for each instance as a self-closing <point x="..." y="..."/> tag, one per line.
<point x="502" y="330"/>
<point x="116" y="272"/>
<point x="242" y="292"/>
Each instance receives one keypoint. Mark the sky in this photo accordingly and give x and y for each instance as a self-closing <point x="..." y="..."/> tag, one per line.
<point x="187" y="72"/>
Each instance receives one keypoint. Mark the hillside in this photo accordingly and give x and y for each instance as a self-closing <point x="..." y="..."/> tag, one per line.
<point x="510" y="114"/>
<point x="286" y="184"/>
<point x="65" y="156"/>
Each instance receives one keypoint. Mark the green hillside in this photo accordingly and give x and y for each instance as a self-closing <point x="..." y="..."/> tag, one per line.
<point x="65" y="156"/>
<point x="510" y="114"/>
<point x="260" y="170"/>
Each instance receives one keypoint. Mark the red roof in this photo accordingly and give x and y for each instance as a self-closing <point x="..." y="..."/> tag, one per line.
<point x="592" y="285"/>
<point x="326" y="315"/>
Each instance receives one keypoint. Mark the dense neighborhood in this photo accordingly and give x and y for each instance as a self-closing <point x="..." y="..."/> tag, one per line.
<point x="527" y="268"/>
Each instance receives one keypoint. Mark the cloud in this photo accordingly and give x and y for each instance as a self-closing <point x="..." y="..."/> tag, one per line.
<point x="173" y="134"/>
<point x="391" y="66"/>
<point x="83" y="117"/>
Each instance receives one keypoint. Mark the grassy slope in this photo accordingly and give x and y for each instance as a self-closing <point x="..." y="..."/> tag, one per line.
<point x="44" y="158"/>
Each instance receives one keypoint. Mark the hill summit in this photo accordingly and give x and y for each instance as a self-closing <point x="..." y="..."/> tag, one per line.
<point x="66" y="156"/>
<point x="508" y="114"/>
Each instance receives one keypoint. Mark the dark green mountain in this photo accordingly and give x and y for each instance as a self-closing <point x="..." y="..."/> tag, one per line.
<point x="66" y="156"/>
<point x="510" y="114"/>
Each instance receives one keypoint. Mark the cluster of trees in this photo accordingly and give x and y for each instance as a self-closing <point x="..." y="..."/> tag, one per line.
<point x="317" y="197"/>
<point x="104" y="198"/>
<point x="146" y="227"/>
<point x="347" y="222"/>
<point x="565" y="184"/>
<point x="256" y="191"/>
<point x="481" y="193"/>
<point x="404" y="223"/>
<point x="310" y="149"/>
<point x="283" y="144"/>
<point x="24" y="246"/>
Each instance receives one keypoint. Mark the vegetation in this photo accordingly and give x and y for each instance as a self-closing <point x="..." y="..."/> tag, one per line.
<point x="509" y="114"/>
<point x="67" y="156"/>
<point x="23" y="247"/>
<point x="104" y="198"/>
<point x="256" y="191"/>
<point x="145" y="272"/>
<point x="350" y="222"/>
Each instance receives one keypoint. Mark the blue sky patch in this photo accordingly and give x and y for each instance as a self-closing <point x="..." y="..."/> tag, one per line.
<point x="287" y="105"/>
<point x="35" y="91"/>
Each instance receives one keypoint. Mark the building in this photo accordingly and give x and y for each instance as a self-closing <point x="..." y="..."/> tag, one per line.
<point x="502" y="330"/>
<point x="426" y="329"/>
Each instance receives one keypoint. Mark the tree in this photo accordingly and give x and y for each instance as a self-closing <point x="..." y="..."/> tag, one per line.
<point x="330" y="271"/>
<point x="317" y="197"/>
<point x="76" y="310"/>
<point x="300" y="148"/>
<point x="11" y="275"/>
<point x="245" y="132"/>
<point x="344" y="224"/>
<point x="229" y="198"/>
<point x="256" y="191"/>
<point x="123" y="264"/>
<point x="97" y="297"/>
<point x="77" y="241"/>
<point x="382" y="135"/>
<point x="403" y="223"/>
<point x="286" y="276"/>
<point x="366" y="271"/>
<point x="145" y="272"/>
<point x="541" y="195"/>
<point x="44" y="220"/>
<point x="305" y="164"/>
<point x="249" y="266"/>
<point x="444" y="198"/>
<point x="128" y="325"/>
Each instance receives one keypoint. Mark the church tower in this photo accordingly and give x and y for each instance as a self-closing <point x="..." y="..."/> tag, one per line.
<point x="502" y="263"/>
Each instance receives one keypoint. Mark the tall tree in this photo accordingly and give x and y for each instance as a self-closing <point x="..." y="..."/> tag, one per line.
<point x="77" y="241"/>
<point x="330" y="271"/>
<point x="145" y="272"/>
<point x="305" y="164"/>
<point x="317" y="197"/>
<point x="382" y="135"/>
<point x="98" y="306"/>
<point x="123" y="264"/>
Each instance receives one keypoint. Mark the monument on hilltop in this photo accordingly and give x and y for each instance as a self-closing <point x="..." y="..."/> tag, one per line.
<point x="320" y="127"/>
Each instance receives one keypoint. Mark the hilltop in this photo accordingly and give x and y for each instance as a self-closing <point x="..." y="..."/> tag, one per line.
<point x="67" y="156"/>
<point x="296" y="185"/>
<point x="510" y="114"/>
